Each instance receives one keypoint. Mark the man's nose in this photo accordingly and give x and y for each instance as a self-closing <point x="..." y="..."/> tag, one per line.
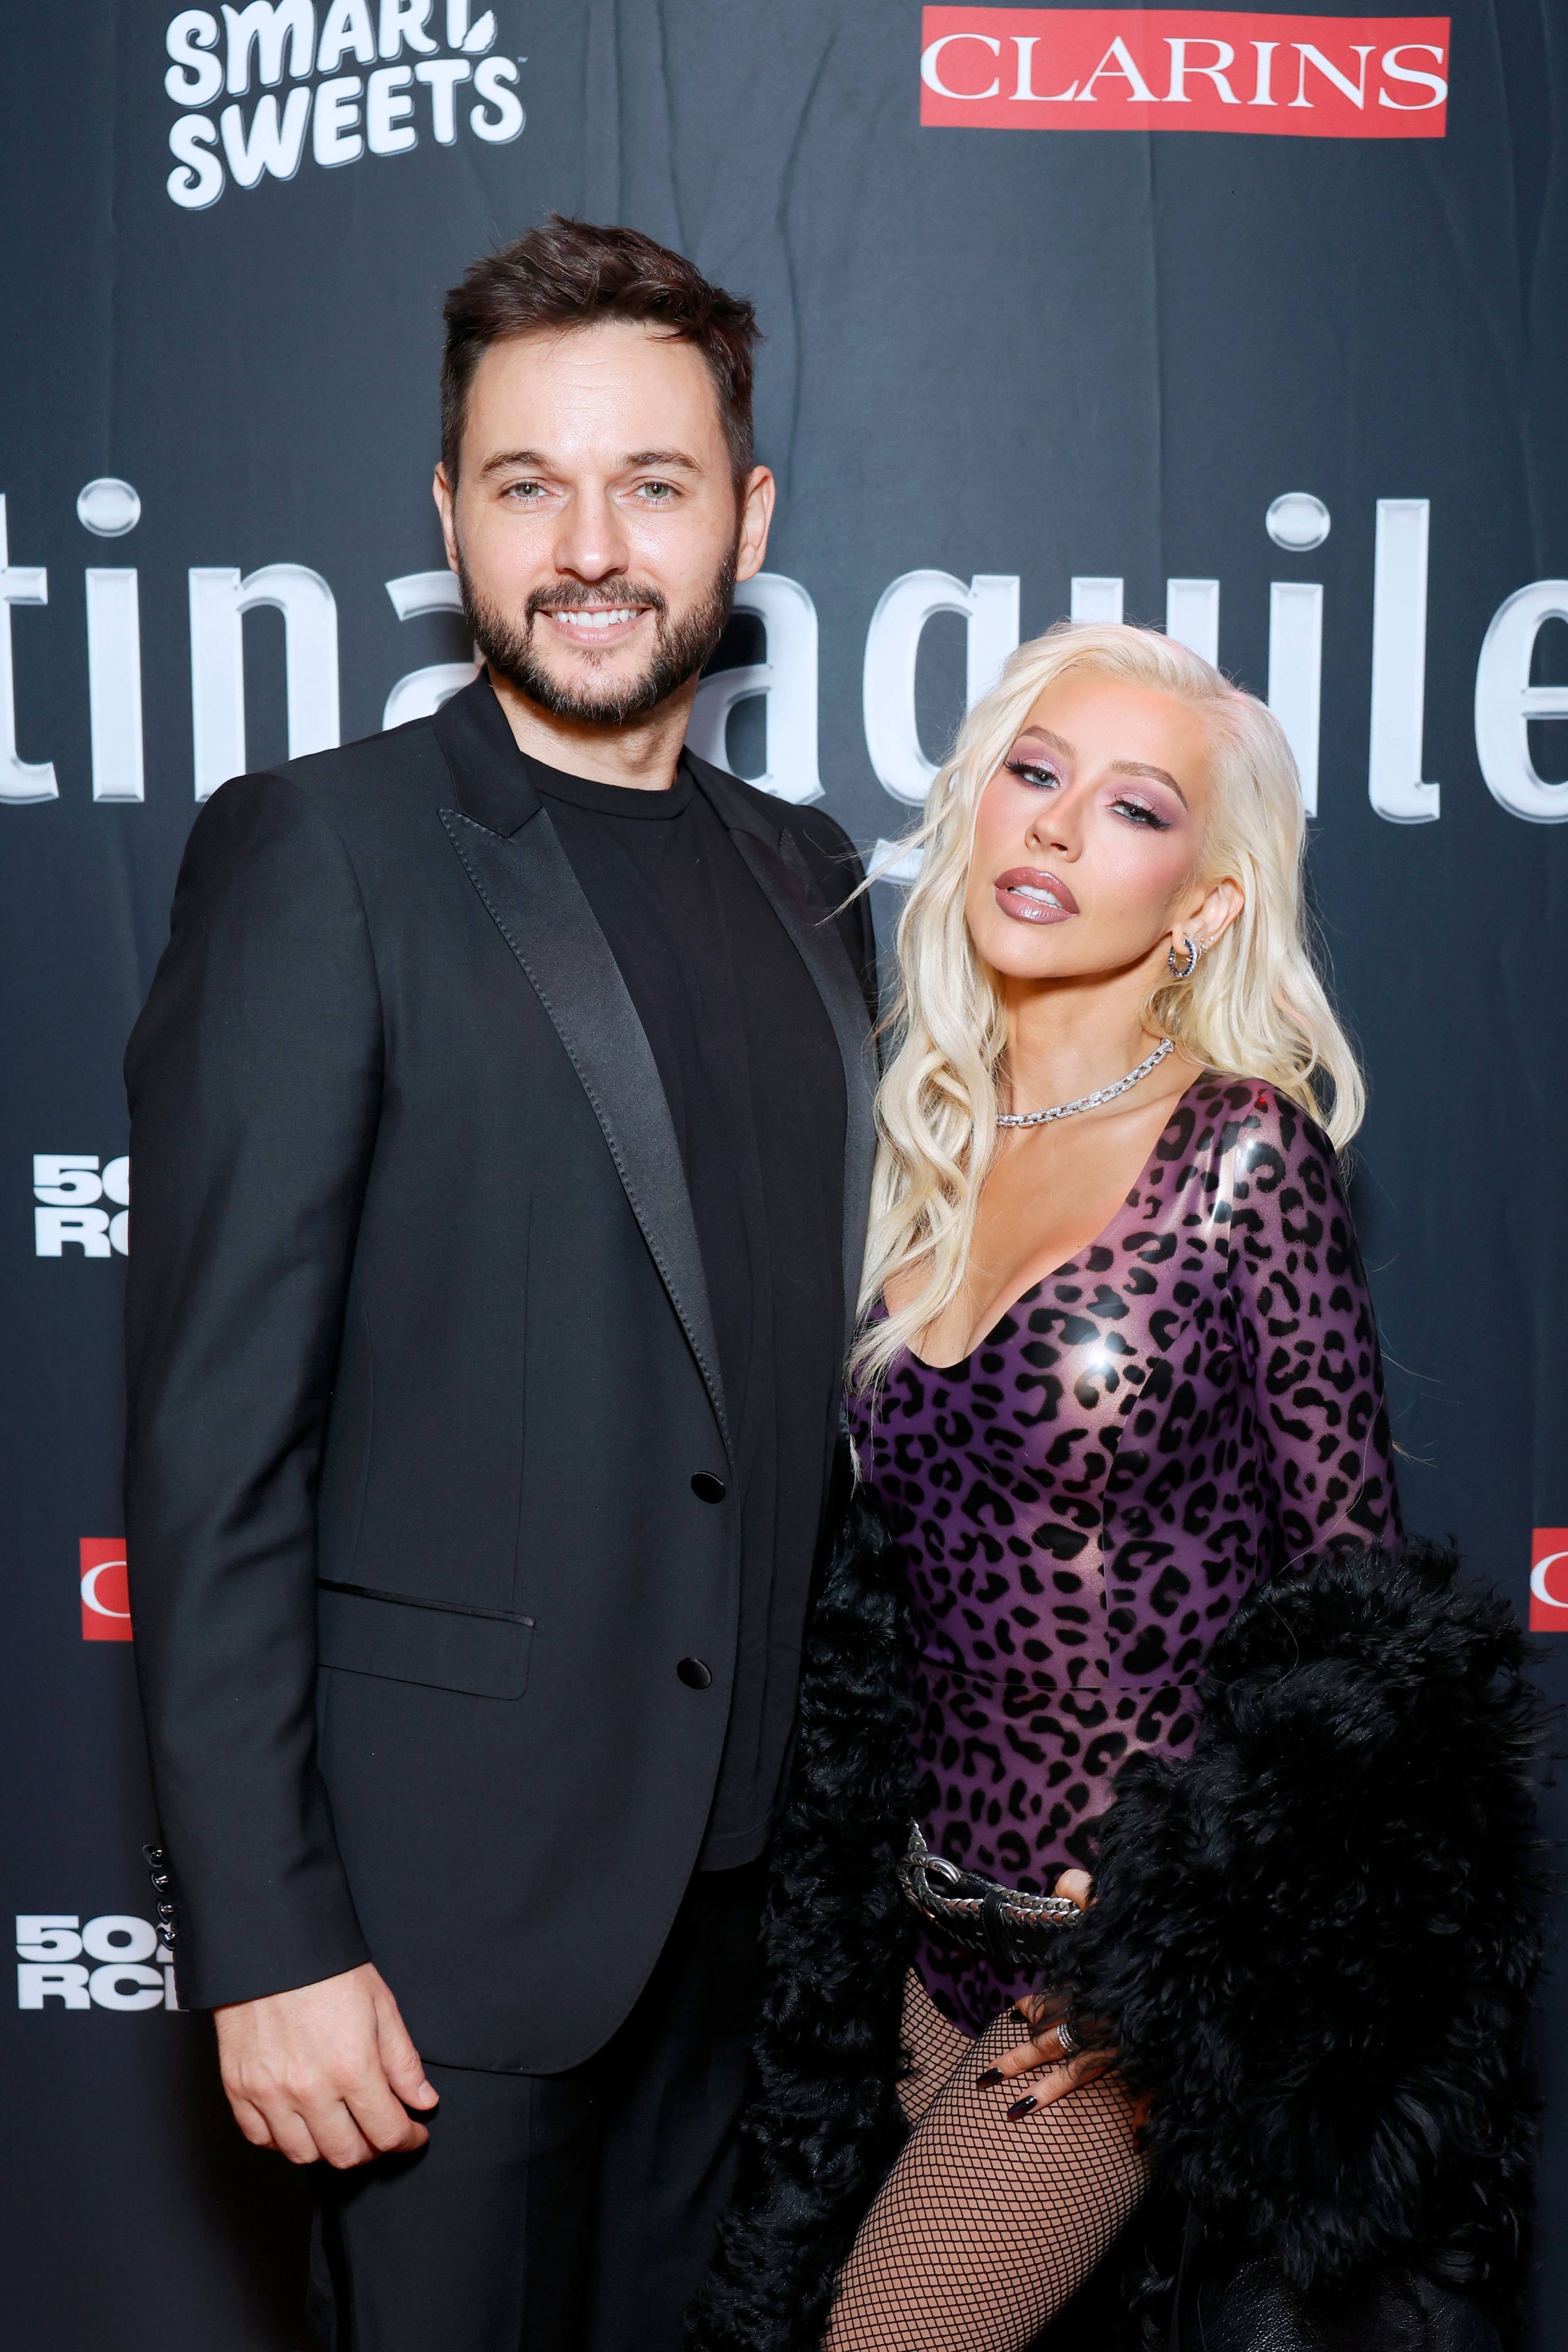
<point x="590" y="543"/>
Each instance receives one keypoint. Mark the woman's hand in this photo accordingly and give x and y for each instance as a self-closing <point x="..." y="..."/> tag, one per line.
<point x="1056" y="2070"/>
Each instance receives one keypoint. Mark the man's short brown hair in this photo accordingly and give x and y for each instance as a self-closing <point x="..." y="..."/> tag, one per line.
<point x="566" y="273"/>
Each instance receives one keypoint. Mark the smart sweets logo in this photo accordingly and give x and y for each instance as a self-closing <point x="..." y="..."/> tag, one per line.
<point x="336" y="116"/>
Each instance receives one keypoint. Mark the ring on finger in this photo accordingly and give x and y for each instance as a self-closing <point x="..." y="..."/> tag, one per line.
<point x="1067" y="2041"/>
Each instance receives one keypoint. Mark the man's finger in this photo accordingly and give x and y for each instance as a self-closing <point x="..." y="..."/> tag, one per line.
<point x="399" y="2058"/>
<point x="337" y="2136"/>
<point x="293" y="2137"/>
<point x="383" y="2118"/>
<point x="251" y="2121"/>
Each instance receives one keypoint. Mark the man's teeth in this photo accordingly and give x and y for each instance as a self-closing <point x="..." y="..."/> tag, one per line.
<point x="575" y="617"/>
<point x="1032" y="890"/>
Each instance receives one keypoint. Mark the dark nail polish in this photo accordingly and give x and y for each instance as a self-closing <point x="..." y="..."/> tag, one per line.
<point x="991" y="2074"/>
<point x="1021" y="2107"/>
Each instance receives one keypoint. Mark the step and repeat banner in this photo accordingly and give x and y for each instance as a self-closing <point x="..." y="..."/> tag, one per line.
<point x="1254" y="326"/>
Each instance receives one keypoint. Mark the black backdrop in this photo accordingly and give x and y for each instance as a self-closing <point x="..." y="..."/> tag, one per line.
<point x="1022" y="357"/>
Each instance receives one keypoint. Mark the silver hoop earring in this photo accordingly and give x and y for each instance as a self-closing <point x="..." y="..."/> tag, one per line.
<point x="1194" y="948"/>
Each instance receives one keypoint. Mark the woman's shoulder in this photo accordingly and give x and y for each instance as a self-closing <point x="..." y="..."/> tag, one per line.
<point x="1255" y="1122"/>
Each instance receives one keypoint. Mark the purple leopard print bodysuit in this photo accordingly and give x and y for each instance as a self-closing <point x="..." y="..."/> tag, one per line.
<point x="1193" y="1403"/>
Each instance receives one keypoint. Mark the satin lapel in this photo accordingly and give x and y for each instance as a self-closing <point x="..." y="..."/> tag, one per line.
<point x="526" y="882"/>
<point x="786" y="881"/>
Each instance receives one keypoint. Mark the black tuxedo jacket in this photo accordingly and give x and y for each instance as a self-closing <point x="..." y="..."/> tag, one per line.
<point x="435" y="1573"/>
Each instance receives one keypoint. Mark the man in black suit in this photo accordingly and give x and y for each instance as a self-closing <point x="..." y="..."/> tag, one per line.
<point x="500" y="1118"/>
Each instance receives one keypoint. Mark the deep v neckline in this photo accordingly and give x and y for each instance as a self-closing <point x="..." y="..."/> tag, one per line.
<point x="1095" y="1241"/>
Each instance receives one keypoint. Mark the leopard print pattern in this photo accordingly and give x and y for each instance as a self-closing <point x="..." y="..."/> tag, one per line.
<point x="1192" y="1404"/>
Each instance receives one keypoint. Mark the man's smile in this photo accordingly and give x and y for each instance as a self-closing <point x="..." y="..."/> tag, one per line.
<point x="595" y="625"/>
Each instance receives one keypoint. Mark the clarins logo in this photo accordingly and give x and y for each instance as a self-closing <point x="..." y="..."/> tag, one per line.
<point x="1549" y="1580"/>
<point x="354" y="77"/>
<point x="1186" y="69"/>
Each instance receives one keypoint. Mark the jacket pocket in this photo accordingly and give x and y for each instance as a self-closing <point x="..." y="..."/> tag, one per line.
<point x="362" y="1631"/>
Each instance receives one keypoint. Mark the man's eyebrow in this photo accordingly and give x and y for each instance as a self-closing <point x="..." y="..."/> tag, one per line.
<point x="535" y="459"/>
<point x="670" y="457"/>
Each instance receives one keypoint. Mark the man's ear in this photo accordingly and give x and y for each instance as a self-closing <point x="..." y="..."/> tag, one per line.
<point x="441" y="489"/>
<point x="757" y="498"/>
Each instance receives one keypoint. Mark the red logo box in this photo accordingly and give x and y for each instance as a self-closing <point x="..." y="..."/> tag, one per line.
<point x="105" y="1592"/>
<point x="1186" y="69"/>
<point x="1549" y="1580"/>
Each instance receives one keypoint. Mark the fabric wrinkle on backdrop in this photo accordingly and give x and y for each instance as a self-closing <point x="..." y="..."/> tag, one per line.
<point x="1296" y="397"/>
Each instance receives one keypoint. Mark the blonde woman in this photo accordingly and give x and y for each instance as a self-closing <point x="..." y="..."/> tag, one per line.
<point x="1117" y="1366"/>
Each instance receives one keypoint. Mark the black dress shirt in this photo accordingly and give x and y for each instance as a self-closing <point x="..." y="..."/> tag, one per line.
<point x="755" y="1082"/>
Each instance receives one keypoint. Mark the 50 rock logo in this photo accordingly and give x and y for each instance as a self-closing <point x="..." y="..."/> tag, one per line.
<point x="114" y="1961"/>
<point x="70" y="1188"/>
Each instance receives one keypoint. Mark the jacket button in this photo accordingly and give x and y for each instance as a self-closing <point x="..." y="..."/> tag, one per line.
<point x="694" y="1673"/>
<point x="707" y="1488"/>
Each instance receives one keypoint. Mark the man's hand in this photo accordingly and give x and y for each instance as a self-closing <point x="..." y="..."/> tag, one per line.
<point x="326" y="2071"/>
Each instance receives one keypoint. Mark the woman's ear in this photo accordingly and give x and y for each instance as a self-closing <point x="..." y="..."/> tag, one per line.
<point x="1213" y="914"/>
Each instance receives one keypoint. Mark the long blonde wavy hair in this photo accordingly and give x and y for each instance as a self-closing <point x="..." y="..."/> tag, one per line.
<point x="1256" y="1007"/>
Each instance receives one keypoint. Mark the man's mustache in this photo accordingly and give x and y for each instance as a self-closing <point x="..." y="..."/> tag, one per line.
<point x="574" y="594"/>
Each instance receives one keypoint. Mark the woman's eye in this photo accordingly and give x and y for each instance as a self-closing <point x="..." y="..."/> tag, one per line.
<point x="1140" y="812"/>
<point x="1030" y="771"/>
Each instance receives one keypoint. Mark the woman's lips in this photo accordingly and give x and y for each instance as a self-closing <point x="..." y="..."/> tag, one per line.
<point x="1030" y="896"/>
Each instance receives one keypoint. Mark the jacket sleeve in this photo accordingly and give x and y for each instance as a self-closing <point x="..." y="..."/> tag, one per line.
<point x="1309" y="1340"/>
<point x="254" y="1077"/>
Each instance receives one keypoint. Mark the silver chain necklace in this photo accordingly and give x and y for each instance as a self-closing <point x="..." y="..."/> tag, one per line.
<point x="1088" y="1102"/>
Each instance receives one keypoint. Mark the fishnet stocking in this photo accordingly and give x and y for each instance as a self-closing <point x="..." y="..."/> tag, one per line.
<point x="984" y="2229"/>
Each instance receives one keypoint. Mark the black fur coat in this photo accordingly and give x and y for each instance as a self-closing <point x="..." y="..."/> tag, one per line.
<point x="1313" y="1944"/>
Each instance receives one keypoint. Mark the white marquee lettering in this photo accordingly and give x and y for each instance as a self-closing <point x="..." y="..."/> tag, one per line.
<point x="785" y="679"/>
<point x="1394" y="783"/>
<point x="421" y="692"/>
<point x="219" y="600"/>
<point x="28" y="583"/>
<point x="990" y="607"/>
<point x="1505" y="702"/>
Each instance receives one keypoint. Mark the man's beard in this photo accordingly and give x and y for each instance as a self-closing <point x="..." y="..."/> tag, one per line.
<point x="680" y="649"/>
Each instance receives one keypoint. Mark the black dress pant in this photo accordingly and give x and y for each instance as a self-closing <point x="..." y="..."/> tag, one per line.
<point x="561" y="2212"/>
